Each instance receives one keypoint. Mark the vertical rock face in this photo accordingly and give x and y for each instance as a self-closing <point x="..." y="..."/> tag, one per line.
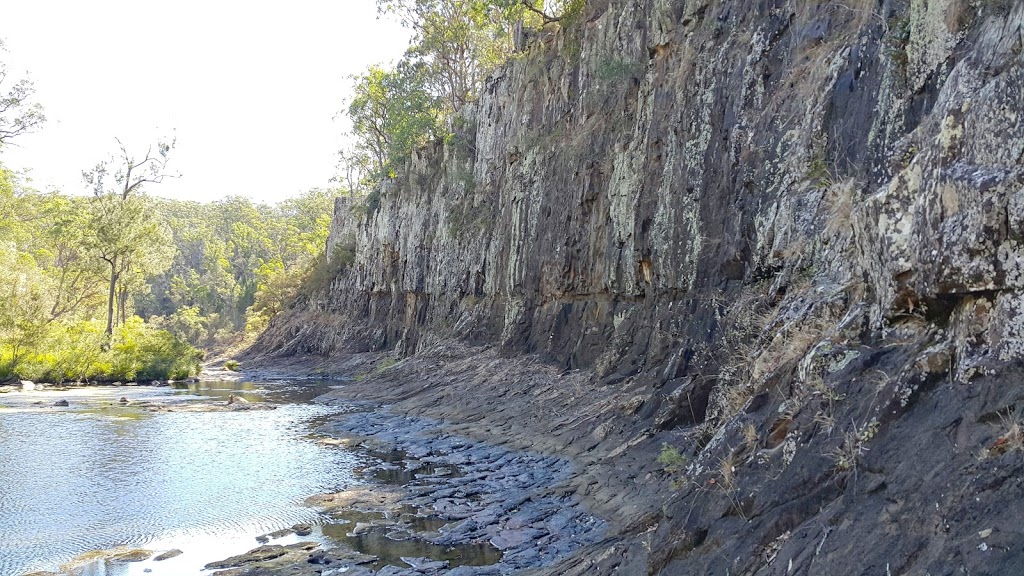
<point x="784" y="223"/>
<point x="620" y="184"/>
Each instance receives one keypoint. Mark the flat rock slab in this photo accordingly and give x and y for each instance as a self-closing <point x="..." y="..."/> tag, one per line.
<point x="507" y="539"/>
<point x="302" y="559"/>
<point x="425" y="563"/>
<point x="261" y="554"/>
<point x="486" y="493"/>
<point x="371" y="497"/>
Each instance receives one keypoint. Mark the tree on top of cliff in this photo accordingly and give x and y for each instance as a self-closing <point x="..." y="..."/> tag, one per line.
<point x="392" y="112"/>
<point x="456" y="44"/>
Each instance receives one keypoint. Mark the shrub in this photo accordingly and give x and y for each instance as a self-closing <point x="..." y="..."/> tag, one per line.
<point x="326" y="269"/>
<point x="673" y="462"/>
<point x="141" y="352"/>
<point x="77" y="351"/>
<point x="231" y="365"/>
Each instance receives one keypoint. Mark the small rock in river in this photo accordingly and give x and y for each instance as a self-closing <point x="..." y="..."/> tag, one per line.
<point x="318" y="557"/>
<point x="168" y="555"/>
<point x="303" y="529"/>
<point x="425" y="563"/>
<point x="137" y="555"/>
<point x="61" y="403"/>
<point x="361" y="528"/>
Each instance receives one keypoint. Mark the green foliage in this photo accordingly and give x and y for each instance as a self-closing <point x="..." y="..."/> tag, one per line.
<point x="674" y="463"/>
<point x="456" y="44"/>
<point x="140" y="352"/>
<point x="327" y="268"/>
<point x="465" y="219"/>
<point x="121" y="232"/>
<point x="75" y="352"/>
<point x="392" y="113"/>
<point x="236" y="264"/>
<point x="616" y="70"/>
<point x="193" y="270"/>
<point x="372" y="201"/>
<point x="895" y="45"/>
<point x="232" y="365"/>
<point x="670" y="459"/>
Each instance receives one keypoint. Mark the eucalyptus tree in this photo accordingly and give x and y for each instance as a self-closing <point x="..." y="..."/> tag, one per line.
<point x="392" y="112"/>
<point x="77" y="276"/>
<point x="457" y="42"/>
<point x="121" y="232"/>
<point x="18" y="113"/>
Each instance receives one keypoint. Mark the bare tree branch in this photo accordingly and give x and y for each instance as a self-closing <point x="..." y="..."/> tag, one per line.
<point x="548" y="19"/>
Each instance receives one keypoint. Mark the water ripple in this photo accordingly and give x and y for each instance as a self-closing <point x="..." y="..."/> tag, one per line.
<point x="80" y="482"/>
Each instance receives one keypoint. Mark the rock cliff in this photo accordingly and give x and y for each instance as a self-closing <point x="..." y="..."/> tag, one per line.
<point x="779" y="243"/>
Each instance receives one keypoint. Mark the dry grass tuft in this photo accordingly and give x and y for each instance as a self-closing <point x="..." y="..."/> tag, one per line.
<point x="1011" y="437"/>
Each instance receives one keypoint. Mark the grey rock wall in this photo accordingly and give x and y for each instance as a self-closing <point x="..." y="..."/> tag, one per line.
<point x="790" y="232"/>
<point x="617" y="186"/>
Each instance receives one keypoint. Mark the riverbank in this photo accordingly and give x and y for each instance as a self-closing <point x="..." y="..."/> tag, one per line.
<point x="428" y="499"/>
<point x="451" y="492"/>
<point x="455" y="403"/>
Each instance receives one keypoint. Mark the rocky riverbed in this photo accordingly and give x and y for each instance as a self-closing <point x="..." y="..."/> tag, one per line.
<point x="427" y="499"/>
<point x="438" y="503"/>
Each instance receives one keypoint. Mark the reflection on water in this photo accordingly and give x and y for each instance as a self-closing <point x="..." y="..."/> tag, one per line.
<point x="98" y="475"/>
<point x="376" y="541"/>
<point x="275" y="392"/>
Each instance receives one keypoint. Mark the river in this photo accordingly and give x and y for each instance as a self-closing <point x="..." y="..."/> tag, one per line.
<point x="96" y="474"/>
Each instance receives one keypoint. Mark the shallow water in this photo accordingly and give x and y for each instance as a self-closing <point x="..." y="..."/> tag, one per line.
<point x="97" y="475"/>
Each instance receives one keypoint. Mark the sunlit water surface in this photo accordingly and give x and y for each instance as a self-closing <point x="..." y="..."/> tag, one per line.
<point x="95" y="475"/>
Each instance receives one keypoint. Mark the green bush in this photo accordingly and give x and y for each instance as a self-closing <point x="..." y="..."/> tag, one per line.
<point x="325" y="270"/>
<point x="143" y="353"/>
<point x="231" y="365"/>
<point x="674" y="463"/>
<point x="78" y="352"/>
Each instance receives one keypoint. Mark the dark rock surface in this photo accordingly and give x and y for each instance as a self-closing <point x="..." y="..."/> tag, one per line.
<point x="484" y="493"/>
<point x="778" y="244"/>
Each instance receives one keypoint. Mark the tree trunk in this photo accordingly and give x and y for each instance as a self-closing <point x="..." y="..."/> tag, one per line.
<point x="122" y="303"/>
<point x="110" y="297"/>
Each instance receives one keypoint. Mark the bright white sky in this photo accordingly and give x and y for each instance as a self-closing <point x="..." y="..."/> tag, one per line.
<point x="251" y="88"/>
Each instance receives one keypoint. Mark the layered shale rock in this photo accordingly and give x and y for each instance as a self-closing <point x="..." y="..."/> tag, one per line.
<point x="784" y="239"/>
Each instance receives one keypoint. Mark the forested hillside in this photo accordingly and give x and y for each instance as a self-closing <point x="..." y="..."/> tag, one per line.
<point x="105" y="287"/>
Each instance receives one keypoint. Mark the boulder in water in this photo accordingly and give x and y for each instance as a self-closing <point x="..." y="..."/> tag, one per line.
<point x="61" y="402"/>
<point x="168" y="555"/>
<point x="136" y="555"/>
